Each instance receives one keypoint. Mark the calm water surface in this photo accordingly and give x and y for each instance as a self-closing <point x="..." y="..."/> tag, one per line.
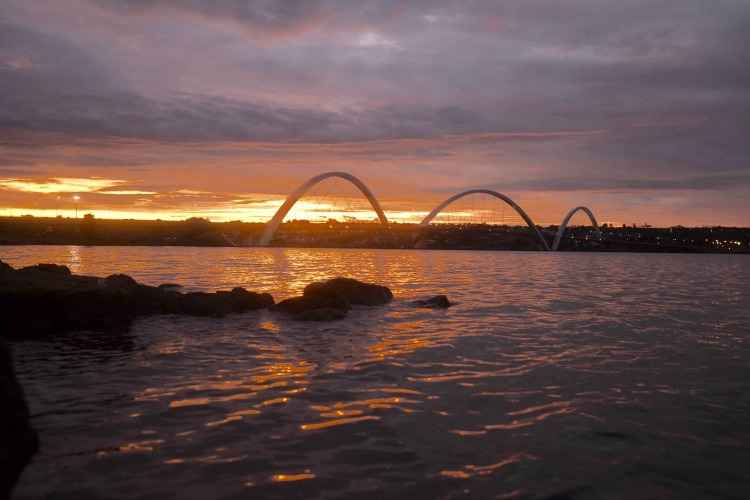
<point x="585" y="376"/>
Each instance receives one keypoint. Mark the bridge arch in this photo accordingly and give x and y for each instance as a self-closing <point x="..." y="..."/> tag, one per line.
<point x="566" y="220"/>
<point x="497" y="195"/>
<point x="273" y="224"/>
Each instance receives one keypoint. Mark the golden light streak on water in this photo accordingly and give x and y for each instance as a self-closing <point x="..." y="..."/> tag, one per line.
<point x="336" y="422"/>
<point x="278" y="478"/>
<point x="471" y="470"/>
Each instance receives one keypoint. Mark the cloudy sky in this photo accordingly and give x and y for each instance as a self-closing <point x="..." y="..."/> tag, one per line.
<point x="168" y="108"/>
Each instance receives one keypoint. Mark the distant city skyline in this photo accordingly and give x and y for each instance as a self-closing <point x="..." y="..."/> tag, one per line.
<point x="158" y="109"/>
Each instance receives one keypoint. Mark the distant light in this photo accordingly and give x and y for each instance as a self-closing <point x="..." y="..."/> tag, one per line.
<point x="76" y="198"/>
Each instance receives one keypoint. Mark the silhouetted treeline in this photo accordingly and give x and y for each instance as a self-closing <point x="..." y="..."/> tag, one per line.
<point x="332" y="234"/>
<point x="91" y="231"/>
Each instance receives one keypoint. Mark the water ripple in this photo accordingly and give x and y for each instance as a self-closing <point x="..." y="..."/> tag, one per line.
<point x="617" y="375"/>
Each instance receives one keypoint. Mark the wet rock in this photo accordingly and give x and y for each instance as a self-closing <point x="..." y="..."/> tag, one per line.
<point x="314" y="307"/>
<point x="436" y="302"/>
<point x="121" y="282"/>
<point x="170" y="287"/>
<point x="356" y="292"/>
<point x="199" y="304"/>
<point x="332" y="299"/>
<point x="18" y="438"/>
<point x="6" y="268"/>
<point x="243" y="300"/>
<point x="219" y="303"/>
<point x="48" y="268"/>
<point x="45" y="299"/>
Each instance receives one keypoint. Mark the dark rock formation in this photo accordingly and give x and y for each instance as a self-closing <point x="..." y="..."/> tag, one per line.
<point x="121" y="282"/>
<point x="47" y="298"/>
<point x="330" y="300"/>
<point x="18" y="441"/>
<point x="356" y="292"/>
<point x="436" y="302"/>
<point x="216" y="304"/>
<point x="314" y="308"/>
<point x="169" y="286"/>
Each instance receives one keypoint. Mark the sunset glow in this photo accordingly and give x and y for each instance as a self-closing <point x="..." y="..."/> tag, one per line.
<point x="60" y="185"/>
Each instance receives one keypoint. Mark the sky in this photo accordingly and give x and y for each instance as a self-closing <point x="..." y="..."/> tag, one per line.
<point x="171" y="109"/>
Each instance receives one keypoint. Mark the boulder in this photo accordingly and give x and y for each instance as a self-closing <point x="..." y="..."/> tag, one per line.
<point x="121" y="283"/>
<point x="356" y="292"/>
<point x="220" y="303"/>
<point x="241" y="300"/>
<point x="171" y="287"/>
<point x="46" y="298"/>
<point x="330" y="300"/>
<point x="436" y="302"/>
<point x="18" y="438"/>
<point x="297" y="306"/>
<point x="200" y="304"/>
<point x="48" y="268"/>
<point x="6" y="268"/>
<point x="314" y="308"/>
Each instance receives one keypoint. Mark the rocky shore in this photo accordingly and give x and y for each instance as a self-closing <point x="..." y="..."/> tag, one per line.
<point x="18" y="440"/>
<point x="330" y="300"/>
<point x="47" y="298"/>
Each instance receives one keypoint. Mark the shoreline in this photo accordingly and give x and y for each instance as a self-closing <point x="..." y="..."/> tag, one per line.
<point x="197" y="232"/>
<point x="297" y="247"/>
<point x="47" y="299"/>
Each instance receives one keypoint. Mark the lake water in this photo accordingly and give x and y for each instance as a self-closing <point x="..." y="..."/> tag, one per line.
<point x="580" y="375"/>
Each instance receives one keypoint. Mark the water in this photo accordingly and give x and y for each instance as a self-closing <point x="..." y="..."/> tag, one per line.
<point x="586" y="375"/>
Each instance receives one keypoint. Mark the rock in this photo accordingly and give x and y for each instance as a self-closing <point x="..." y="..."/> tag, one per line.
<point x="306" y="303"/>
<point x="45" y="299"/>
<point x="323" y="308"/>
<point x="244" y="300"/>
<point x="43" y="277"/>
<point x="200" y="304"/>
<point x="48" y="268"/>
<point x="356" y="292"/>
<point x="18" y="438"/>
<point x="121" y="282"/>
<point x="221" y="303"/>
<point x="330" y="300"/>
<point x="436" y="302"/>
<point x="171" y="287"/>
<point x="5" y="268"/>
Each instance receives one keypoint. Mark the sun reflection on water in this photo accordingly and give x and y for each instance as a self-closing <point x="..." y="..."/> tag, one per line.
<point x="292" y="477"/>
<point x="470" y="470"/>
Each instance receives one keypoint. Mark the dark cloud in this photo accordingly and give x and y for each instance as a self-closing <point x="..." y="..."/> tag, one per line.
<point x="263" y="18"/>
<point x="701" y="183"/>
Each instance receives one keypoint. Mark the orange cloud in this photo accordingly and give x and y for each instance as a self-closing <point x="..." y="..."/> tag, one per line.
<point x="60" y="185"/>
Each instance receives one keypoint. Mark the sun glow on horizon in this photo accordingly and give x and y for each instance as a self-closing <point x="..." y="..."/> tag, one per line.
<point x="313" y="213"/>
<point x="60" y="185"/>
<point x="142" y="202"/>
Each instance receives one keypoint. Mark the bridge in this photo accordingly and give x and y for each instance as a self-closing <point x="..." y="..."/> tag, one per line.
<point x="273" y="224"/>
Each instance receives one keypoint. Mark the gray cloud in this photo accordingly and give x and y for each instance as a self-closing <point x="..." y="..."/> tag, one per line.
<point x="698" y="183"/>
